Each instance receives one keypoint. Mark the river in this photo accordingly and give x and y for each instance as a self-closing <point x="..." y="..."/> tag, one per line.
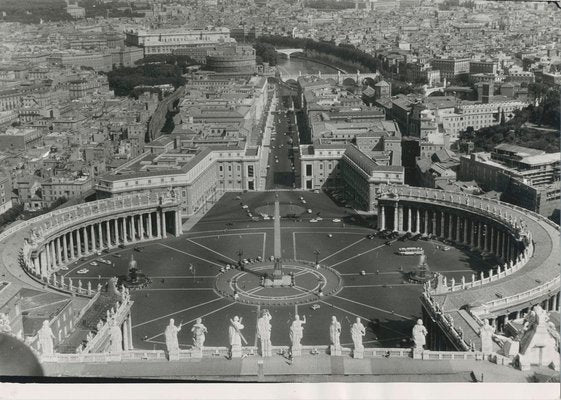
<point x="295" y="65"/>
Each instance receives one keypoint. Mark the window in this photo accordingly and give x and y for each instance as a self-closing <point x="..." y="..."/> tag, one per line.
<point x="220" y="168"/>
<point x="308" y="170"/>
<point x="250" y="171"/>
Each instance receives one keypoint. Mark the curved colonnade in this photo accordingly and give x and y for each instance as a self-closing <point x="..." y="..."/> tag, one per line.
<point x="57" y="239"/>
<point x="526" y="244"/>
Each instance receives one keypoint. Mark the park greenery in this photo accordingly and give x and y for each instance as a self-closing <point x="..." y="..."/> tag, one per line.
<point x="526" y="128"/>
<point x="33" y="11"/>
<point x="150" y="71"/>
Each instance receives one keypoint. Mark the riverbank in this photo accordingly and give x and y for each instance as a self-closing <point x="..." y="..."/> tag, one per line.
<point x="317" y="61"/>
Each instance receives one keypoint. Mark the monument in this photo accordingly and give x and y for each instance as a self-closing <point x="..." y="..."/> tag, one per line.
<point x="199" y="330"/>
<point x="46" y="338"/>
<point x="296" y="334"/>
<point x="419" y="333"/>
<point x="486" y="335"/>
<point x="172" y="343"/>
<point x="278" y="278"/>
<point x="357" y="333"/>
<point x="236" y="337"/>
<point x="264" y="333"/>
<point x="116" y="337"/>
<point x="334" y="335"/>
<point x="537" y="345"/>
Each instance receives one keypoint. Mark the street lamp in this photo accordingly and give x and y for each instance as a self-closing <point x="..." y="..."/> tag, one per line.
<point x="317" y="252"/>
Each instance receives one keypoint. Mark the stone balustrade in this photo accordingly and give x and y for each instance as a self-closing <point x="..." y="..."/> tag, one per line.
<point x="484" y="278"/>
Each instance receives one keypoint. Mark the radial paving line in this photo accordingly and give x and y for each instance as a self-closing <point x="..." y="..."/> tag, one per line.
<point x="176" y="289"/>
<point x="189" y="254"/>
<point x="194" y="319"/>
<point x="358" y="255"/>
<point x="372" y="307"/>
<point x="177" y="312"/>
<point x="209" y="249"/>
<point x="343" y="249"/>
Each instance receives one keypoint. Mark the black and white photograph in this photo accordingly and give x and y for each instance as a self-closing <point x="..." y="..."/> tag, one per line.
<point x="291" y="199"/>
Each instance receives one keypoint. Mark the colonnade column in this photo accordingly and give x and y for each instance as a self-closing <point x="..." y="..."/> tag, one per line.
<point x="141" y="226"/>
<point x="450" y="227"/>
<point x="108" y="233"/>
<point x="426" y="222"/>
<point x="164" y="228"/>
<point x="442" y="227"/>
<point x="480" y="236"/>
<point x="133" y="228"/>
<point x="56" y="243"/>
<point x="150" y="232"/>
<point x="92" y="231"/>
<point x="65" y="247"/>
<point x="124" y="226"/>
<point x="72" y="254"/>
<point x="409" y="227"/>
<point x="86" y="240"/>
<point x="400" y="219"/>
<point x="466" y="239"/>
<point x="100" y="234"/>
<point x="493" y="240"/>
<point x="158" y="225"/>
<point x="417" y="221"/>
<point x="458" y="228"/>
<point x="508" y="253"/>
<point x="48" y="256"/>
<point x="78" y="243"/>
<point x="473" y="237"/>
<point x="178" y="224"/>
<point x="433" y="227"/>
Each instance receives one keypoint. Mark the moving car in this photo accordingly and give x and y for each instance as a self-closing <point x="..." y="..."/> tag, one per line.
<point x="315" y="307"/>
<point x="93" y="263"/>
<point x="83" y="271"/>
<point x="336" y="220"/>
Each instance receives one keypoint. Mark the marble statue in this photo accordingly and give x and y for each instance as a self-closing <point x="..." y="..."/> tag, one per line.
<point x="335" y="332"/>
<point x="116" y="337"/>
<point x="89" y="336"/>
<point x="171" y="336"/>
<point x="5" y="323"/>
<point x="264" y="333"/>
<point x="234" y="331"/>
<point x="419" y="333"/>
<point x="46" y="338"/>
<point x="99" y="325"/>
<point x="486" y="334"/>
<point x="297" y="330"/>
<point x="199" y="331"/>
<point x="358" y="331"/>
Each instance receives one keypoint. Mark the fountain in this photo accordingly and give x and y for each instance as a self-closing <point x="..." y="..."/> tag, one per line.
<point x="135" y="279"/>
<point x="423" y="273"/>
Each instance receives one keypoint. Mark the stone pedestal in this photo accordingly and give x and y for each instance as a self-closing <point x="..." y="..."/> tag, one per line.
<point x="358" y="353"/>
<point x="511" y="348"/>
<point x="296" y="351"/>
<point x="173" y="355"/>
<point x="417" y="353"/>
<point x="197" y="353"/>
<point x="523" y="362"/>
<point x="236" y="351"/>
<point x="335" y="350"/>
